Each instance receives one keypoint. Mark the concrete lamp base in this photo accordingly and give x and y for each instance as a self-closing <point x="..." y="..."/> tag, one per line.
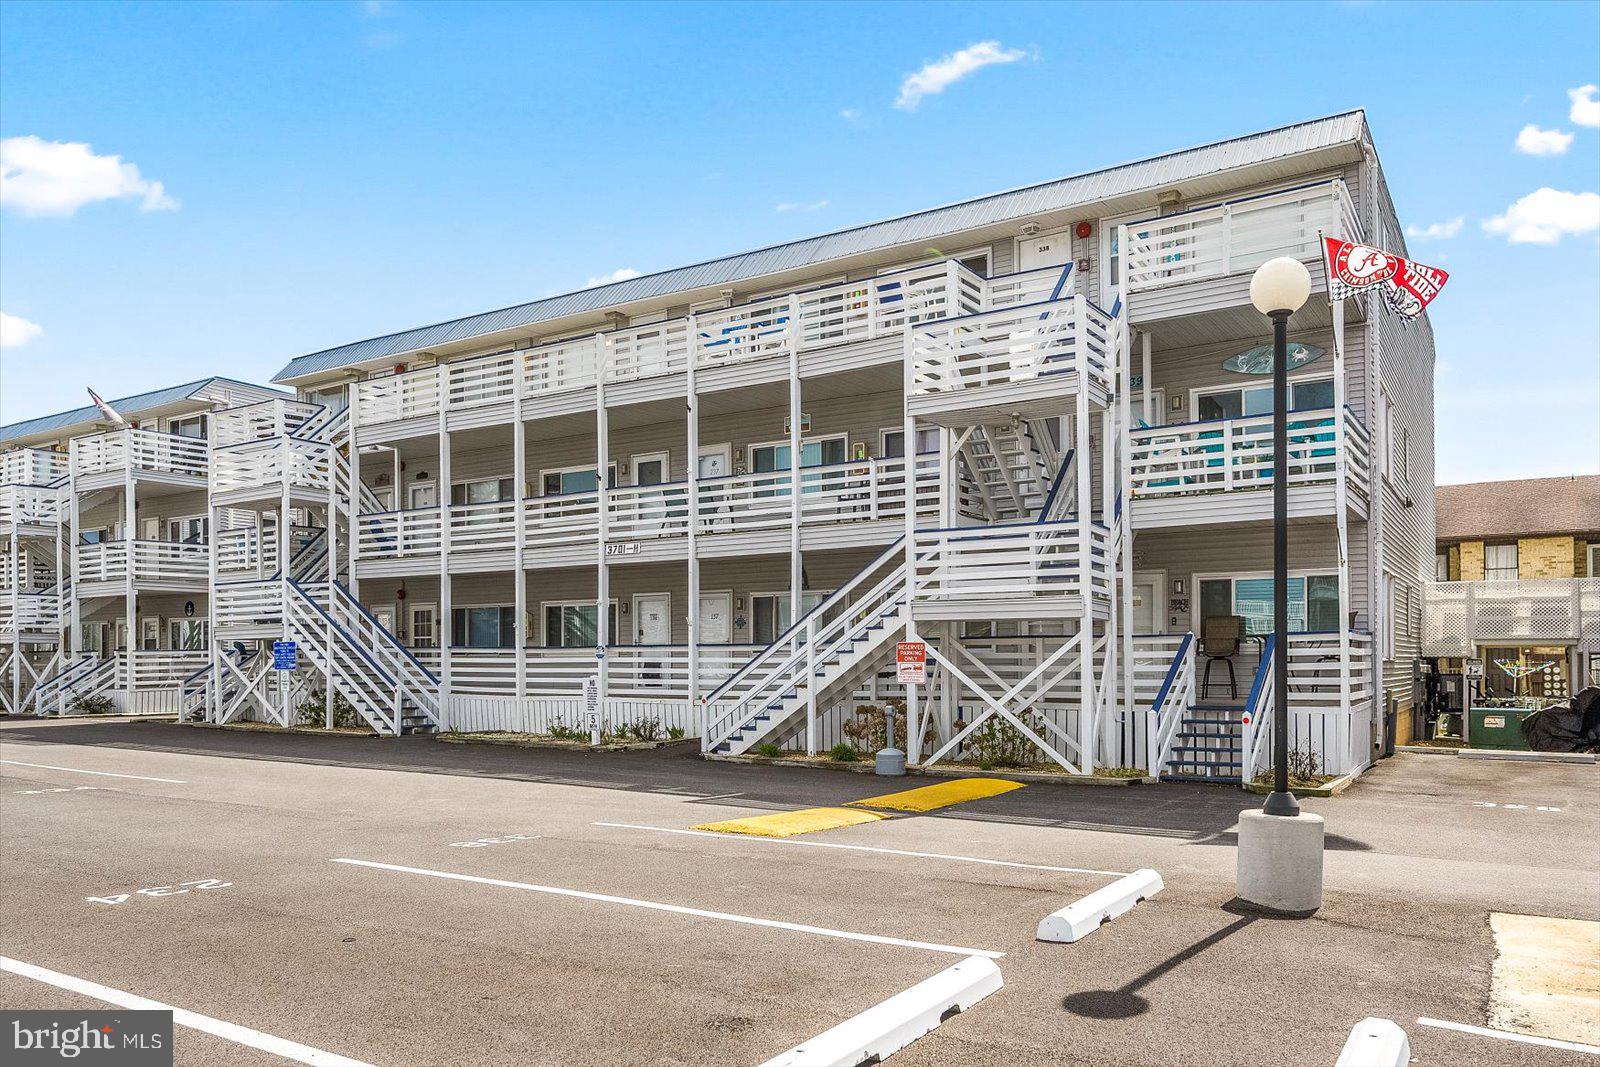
<point x="891" y="762"/>
<point x="1280" y="861"/>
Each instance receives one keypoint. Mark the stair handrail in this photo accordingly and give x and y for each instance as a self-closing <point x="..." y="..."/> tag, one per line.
<point x="1262" y="688"/>
<point x="821" y="644"/>
<point x="392" y="715"/>
<point x="384" y="634"/>
<point x="67" y="675"/>
<point x="1056" y="483"/>
<point x="831" y="600"/>
<point x="1164" y="717"/>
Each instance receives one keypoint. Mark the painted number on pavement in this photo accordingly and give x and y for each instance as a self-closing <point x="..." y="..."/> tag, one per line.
<point x="483" y="841"/>
<point x="161" y="891"/>
<point x="1515" y="807"/>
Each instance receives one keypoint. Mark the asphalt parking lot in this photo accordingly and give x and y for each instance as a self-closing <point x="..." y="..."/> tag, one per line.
<point x="543" y="907"/>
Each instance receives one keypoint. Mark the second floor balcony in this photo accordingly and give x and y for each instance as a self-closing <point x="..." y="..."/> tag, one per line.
<point x="107" y="458"/>
<point x="640" y="518"/>
<point x="1222" y="470"/>
<point x="155" y="565"/>
<point x="256" y="468"/>
<point x="29" y="506"/>
<point x="31" y="466"/>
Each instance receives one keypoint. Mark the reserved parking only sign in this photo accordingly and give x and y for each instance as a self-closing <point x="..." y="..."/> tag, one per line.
<point x="911" y="663"/>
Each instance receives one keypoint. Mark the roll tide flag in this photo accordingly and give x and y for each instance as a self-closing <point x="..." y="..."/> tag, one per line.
<point x="1408" y="286"/>
<point x="108" y="411"/>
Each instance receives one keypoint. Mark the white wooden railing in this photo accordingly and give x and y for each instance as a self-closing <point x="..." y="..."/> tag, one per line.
<point x="163" y="669"/>
<point x="248" y="603"/>
<point x="855" y="491"/>
<point x="1012" y="561"/>
<point x="152" y="561"/>
<point x="29" y="505"/>
<point x="258" y="422"/>
<point x="769" y="327"/>
<point x="257" y="463"/>
<point x="1021" y="345"/>
<point x="1457" y="617"/>
<point x="1221" y="455"/>
<point x="1326" y="721"/>
<point x="29" y="611"/>
<point x="31" y="466"/>
<point x="144" y="450"/>
<point x="642" y="671"/>
<point x="1237" y="236"/>
<point x="1172" y="700"/>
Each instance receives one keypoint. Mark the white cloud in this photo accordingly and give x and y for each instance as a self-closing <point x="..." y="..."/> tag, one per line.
<point x="621" y="274"/>
<point x="1545" y="215"/>
<point x="1438" y="230"/>
<point x="40" y="177"/>
<point x="939" y="75"/>
<point x="1585" y="106"/>
<point x="1536" y="142"/>
<point x="850" y="114"/>
<point x="795" y="205"/>
<point x="16" y="330"/>
<point x="376" y="7"/>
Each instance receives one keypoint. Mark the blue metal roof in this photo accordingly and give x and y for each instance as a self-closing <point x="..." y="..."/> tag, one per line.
<point x="128" y="405"/>
<point x="1157" y="172"/>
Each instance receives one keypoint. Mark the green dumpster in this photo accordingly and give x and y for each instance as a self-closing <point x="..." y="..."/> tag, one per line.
<point x="1497" y="727"/>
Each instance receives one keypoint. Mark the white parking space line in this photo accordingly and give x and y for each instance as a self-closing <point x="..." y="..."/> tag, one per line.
<point x="241" y="1035"/>
<point x="678" y="909"/>
<point x="1504" y="1035"/>
<point x="102" y="774"/>
<point x="751" y="839"/>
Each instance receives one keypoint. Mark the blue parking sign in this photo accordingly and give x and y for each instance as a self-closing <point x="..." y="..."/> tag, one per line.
<point x="285" y="656"/>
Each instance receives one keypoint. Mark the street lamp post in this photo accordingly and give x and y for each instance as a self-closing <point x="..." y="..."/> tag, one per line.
<point x="1278" y="289"/>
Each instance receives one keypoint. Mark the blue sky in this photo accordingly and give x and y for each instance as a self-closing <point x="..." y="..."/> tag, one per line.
<point x="297" y="175"/>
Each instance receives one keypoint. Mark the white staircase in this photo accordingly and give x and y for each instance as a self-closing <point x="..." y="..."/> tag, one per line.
<point x="831" y="648"/>
<point x="68" y="678"/>
<point x="1012" y="465"/>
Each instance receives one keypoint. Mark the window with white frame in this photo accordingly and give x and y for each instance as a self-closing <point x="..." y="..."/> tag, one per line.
<point x="1441" y="566"/>
<point x="1499" y="563"/>
<point x="894" y="442"/>
<point x="1305" y="394"/>
<point x="1594" y="560"/>
<point x="187" y="635"/>
<point x="771" y="616"/>
<point x="191" y="426"/>
<point x="489" y="626"/>
<point x="1390" y="590"/>
<point x="576" y="624"/>
<point x="575" y="480"/>
<point x="424" y="626"/>
<point x="480" y="491"/>
<point x="1313" y="601"/>
<point x="1386" y="433"/>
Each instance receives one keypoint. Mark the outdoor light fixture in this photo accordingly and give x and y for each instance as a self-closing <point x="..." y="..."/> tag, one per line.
<point x="1278" y="289"/>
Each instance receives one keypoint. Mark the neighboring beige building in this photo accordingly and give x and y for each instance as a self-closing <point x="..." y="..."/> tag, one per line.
<point x="1529" y="528"/>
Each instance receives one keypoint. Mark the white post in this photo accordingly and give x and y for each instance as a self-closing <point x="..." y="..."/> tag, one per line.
<point x="796" y="443"/>
<point x="519" y="482"/>
<point x="692" y="444"/>
<point x="1341" y="491"/>
<point x="353" y="502"/>
<point x="331" y="532"/>
<point x="1085" y="534"/>
<point x="602" y="421"/>
<point x="1130" y="718"/>
<point x="130" y="532"/>
<point x="446" y="586"/>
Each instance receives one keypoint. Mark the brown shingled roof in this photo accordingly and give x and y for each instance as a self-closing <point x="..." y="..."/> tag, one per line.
<point x="1525" y="508"/>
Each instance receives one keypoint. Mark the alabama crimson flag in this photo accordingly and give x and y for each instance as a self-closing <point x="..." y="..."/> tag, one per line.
<point x="111" y="413"/>
<point x="1408" y="286"/>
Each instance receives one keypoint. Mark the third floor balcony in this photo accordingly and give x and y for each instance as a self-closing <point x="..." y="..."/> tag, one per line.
<point x="155" y="565"/>
<point x="106" y="459"/>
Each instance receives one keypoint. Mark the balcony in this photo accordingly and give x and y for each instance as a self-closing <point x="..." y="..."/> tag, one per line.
<point x="1022" y="360"/>
<point x="157" y="565"/>
<point x="31" y="466"/>
<point x="105" y="459"/>
<point x="643" y="672"/>
<point x="247" y="551"/>
<point x="29" y="506"/>
<point x="727" y="347"/>
<point x="1457" y="617"/>
<point x="653" y="520"/>
<point x="1021" y="570"/>
<point x="259" y="422"/>
<point x="1201" y="260"/>
<point x="38" y="613"/>
<point x="1222" y="470"/>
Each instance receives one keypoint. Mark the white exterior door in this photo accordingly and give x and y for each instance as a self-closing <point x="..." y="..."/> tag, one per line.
<point x="715" y="622"/>
<point x="652" y="619"/>
<point x="714" y="462"/>
<point x="1048" y="250"/>
<point x="1148" y="592"/>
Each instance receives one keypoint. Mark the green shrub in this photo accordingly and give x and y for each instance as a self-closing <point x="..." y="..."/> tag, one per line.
<point x="843" y="753"/>
<point x="313" y="711"/>
<point x="675" y="733"/>
<point x="768" y="749"/>
<point x="99" y="704"/>
<point x="644" y="730"/>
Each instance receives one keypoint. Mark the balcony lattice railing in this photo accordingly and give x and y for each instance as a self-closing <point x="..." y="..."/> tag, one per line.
<point x="29" y="505"/>
<point x="1457" y="617"/>
<point x="260" y="421"/>
<point x="1238" y="236"/>
<point x="31" y="466"/>
<point x="255" y="464"/>
<point x="155" y="561"/>
<point x="771" y="327"/>
<point x="1065" y="342"/>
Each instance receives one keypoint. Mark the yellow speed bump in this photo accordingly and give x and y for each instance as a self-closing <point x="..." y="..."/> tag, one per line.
<point x="942" y="795"/>
<point x="792" y="823"/>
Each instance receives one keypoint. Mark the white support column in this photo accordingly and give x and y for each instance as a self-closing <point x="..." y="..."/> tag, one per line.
<point x="602" y="434"/>
<point x="213" y="642"/>
<point x="331" y="532"/>
<point x="519" y="486"/>
<point x="692" y="439"/>
<point x="285" y="540"/>
<point x="1130" y="715"/>
<point x="14" y="659"/>
<point x="796" y="443"/>
<point x="909" y="431"/>
<point x="130" y="532"/>
<point x="446" y="590"/>
<point x="1341" y="500"/>
<point x="1086" y="692"/>
<point x="353" y="501"/>
<point x="75" y="510"/>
